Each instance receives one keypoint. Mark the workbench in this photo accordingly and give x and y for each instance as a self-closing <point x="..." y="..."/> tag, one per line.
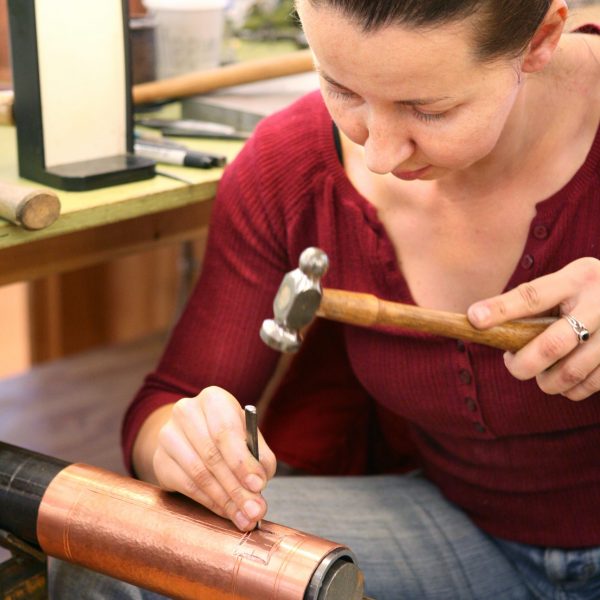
<point x="100" y="225"/>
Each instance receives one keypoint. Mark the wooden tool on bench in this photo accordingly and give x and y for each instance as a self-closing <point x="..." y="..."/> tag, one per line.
<point x="32" y="208"/>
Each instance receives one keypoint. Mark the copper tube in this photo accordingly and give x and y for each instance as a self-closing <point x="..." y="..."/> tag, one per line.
<point x="169" y="544"/>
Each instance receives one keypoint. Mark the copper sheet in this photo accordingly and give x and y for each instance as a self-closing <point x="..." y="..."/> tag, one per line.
<point x="167" y="543"/>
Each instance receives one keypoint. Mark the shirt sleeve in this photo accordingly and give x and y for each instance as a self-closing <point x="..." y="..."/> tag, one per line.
<point x="216" y="341"/>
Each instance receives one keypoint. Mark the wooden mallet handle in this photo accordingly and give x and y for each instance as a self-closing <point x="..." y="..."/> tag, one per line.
<point x="32" y="208"/>
<point x="208" y="80"/>
<point x="356" y="308"/>
<point x="200" y="82"/>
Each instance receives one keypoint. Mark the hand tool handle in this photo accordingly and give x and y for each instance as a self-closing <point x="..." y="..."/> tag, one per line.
<point x="357" y="308"/>
<point x="32" y="208"/>
<point x="201" y="82"/>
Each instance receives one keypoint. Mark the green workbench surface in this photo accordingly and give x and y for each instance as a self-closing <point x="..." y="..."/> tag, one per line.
<point x="86" y="210"/>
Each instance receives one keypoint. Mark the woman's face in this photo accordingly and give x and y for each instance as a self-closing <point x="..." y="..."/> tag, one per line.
<point x="418" y="100"/>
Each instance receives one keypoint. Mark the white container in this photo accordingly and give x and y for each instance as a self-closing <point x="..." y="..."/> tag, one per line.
<point x="189" y="35"/>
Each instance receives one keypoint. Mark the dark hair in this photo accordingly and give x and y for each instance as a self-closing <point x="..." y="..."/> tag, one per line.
<point x="505" y="27"/>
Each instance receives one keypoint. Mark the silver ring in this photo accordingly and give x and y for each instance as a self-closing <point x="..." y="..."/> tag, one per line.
<point x="583" y="335"/>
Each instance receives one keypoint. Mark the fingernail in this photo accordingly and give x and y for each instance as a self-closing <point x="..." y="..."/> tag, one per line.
<point x="252" y="509"/>
<point x="480" y="313"/>
<point x="240" y="520"/>
<point x="254" y="483"/>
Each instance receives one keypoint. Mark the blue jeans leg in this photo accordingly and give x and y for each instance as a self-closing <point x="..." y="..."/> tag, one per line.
<point x="557" y="574"/>
<point x="410" y="542"/>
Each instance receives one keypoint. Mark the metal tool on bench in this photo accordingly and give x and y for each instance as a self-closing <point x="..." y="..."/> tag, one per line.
<point x="300" y="298"/>
<point x="163" y="541"/>
<point x="194" y="128"/>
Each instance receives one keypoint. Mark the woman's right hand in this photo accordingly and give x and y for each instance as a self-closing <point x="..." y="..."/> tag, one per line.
<point x="202" y="453"/>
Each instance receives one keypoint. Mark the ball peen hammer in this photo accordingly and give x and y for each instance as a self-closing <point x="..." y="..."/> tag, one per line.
<point x="300" y="298"/>
<point x="32" y="208"/>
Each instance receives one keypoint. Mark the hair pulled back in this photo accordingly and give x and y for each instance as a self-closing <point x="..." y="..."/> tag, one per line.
<point x="504" y="27"/>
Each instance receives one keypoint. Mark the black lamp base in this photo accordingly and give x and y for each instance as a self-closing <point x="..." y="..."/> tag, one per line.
<point x="93" y="174"/>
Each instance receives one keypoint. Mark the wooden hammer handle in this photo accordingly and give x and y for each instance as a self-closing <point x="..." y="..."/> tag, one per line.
<point x="32" y="208"/>
<point x="366" y="310"/>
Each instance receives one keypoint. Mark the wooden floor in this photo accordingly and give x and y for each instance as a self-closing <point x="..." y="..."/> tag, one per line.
<point x="72" y="408"/>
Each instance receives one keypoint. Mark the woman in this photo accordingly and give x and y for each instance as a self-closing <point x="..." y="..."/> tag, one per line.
<point x="465" y="178"/>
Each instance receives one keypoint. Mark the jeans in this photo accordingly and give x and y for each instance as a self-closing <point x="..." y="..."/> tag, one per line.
<point x="410" y="543"/>
<point x="556" y="574"/>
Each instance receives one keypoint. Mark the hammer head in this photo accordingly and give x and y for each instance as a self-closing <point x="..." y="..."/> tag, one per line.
<point x="296" y="302"/>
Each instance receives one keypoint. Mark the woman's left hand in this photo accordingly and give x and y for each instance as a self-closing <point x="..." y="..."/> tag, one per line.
<point x="560" y="362"/>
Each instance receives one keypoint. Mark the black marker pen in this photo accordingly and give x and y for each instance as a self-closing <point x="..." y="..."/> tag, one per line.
<point x="178" y="156"/>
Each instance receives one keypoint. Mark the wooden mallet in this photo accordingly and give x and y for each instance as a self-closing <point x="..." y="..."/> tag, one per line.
<point x="29" y="207"/>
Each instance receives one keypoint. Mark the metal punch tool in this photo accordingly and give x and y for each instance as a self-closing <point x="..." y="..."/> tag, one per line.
<point x="252" y="434"/>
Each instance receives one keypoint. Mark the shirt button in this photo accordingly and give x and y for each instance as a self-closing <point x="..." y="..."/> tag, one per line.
<point x="527" y="261"/>
<point x="540" y="232"/>
<point x="479" y="427"/>
<point x="465" y="376"/>
<point x="460" y="345"/>
<point x="471" y="404"/>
